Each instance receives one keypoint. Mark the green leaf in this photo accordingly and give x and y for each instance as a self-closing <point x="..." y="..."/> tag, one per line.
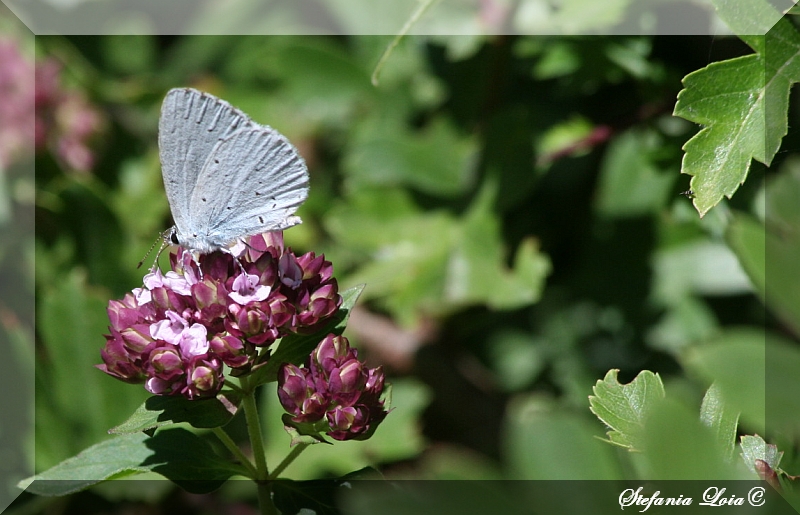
<point x="295" y="348"/>
<point x="303" y="432"/>
<point x="715" y="414"/>
<point x="700" y="266"/>
<point x="751" y="367"/>
<point x="735" y="363"/>
<point x="542" y="441"/>
<point x="429" y="262"/>
<point x="630" y="182"/>
<point x="176" y="454"/>
<point x="158" y="411"/>
<point x="476" y="271"/>
<point x="623" y="408"/>
<point x="755" y="448"/>
<point x="742" y="104"/>
<point x="773" y="245"/>
<point x="676" y="445"/>
<point x="436" y="160"/>
<point x="75" y="401"/>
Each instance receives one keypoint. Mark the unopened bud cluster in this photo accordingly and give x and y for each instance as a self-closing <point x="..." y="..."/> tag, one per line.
<point x="333" y="392"/>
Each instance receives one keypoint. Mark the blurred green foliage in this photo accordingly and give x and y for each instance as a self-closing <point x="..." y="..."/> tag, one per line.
<point x="513" y="206"/>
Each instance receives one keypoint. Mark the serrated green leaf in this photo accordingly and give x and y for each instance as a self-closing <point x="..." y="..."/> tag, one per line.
<point x="176" y="454"/>
<point x="723" y="420"/>
<point x="742" y="104"/>
<point x="295" y="348"/>
<point x="754" y="448"/>
<point x="623" y="408"/>
<point x="165" y="411"/>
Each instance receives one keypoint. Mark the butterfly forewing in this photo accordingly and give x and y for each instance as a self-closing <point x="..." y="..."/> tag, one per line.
<point x="192" y="123"/>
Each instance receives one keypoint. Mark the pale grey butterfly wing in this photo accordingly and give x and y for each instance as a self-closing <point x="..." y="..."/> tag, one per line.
<point x="191" y="124"/>
<point x="213" y="151"/>
<point x="252" y="182"/>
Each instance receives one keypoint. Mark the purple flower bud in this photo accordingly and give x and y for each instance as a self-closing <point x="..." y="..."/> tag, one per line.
<point x="350" y="377"/>
<point x="289" y="271"/>
<point x="158" y="386"/>
<point x="341" y="418"/>
<point x="231" y="350"/>
<point x="311" y="265"/>
<point x="205" y="293"/>
<point x="269" y="242"/>
<point x="119" y="362"/>
<point x="165" y="299"/>
<point x="123" y="313"/>
<point x="297" y="396"/>
<point x="253" y="323"/>
<point x="282" y="311"/>
<point x="330" y="352"/>
<point x="292" y="388"/>
<point x="136" y="338"/>
<point x="313" y="408"/>
<point x="204" y="377"/>
<point x="164" y="361"/>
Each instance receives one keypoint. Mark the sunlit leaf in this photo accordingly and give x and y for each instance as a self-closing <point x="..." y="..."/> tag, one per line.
<point x="624" y="407"/>
<point x="741" y="104"/>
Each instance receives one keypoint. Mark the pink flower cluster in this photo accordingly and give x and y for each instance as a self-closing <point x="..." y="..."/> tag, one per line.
<point x="333" y="393"/>
<point x="38" y="113"/>
<point x="176" y="333"/>
<point x="65" y="121"/>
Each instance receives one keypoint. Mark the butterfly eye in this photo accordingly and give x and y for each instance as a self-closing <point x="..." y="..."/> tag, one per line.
<point x="174" y="238"/>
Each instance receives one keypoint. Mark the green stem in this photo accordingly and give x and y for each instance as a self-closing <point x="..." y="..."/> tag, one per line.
<point x="295" y="452"/>
<point x="229" y="444"/>
<point x="263" y="485"/>
<point x="423" y="6"/>
<point x="254" y="430"/>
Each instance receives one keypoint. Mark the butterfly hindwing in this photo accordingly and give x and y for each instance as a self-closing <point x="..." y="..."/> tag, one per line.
<point x="252" y="182"/>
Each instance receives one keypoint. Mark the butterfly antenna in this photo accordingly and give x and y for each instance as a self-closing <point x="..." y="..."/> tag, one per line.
<point x="165" y="241"/>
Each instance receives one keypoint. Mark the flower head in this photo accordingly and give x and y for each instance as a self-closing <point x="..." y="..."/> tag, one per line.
<point x="334" y="391"/>
<point x="176" y="332"/>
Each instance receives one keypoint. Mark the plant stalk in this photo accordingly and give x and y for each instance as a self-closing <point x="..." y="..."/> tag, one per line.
<point x="295" y="452"/>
